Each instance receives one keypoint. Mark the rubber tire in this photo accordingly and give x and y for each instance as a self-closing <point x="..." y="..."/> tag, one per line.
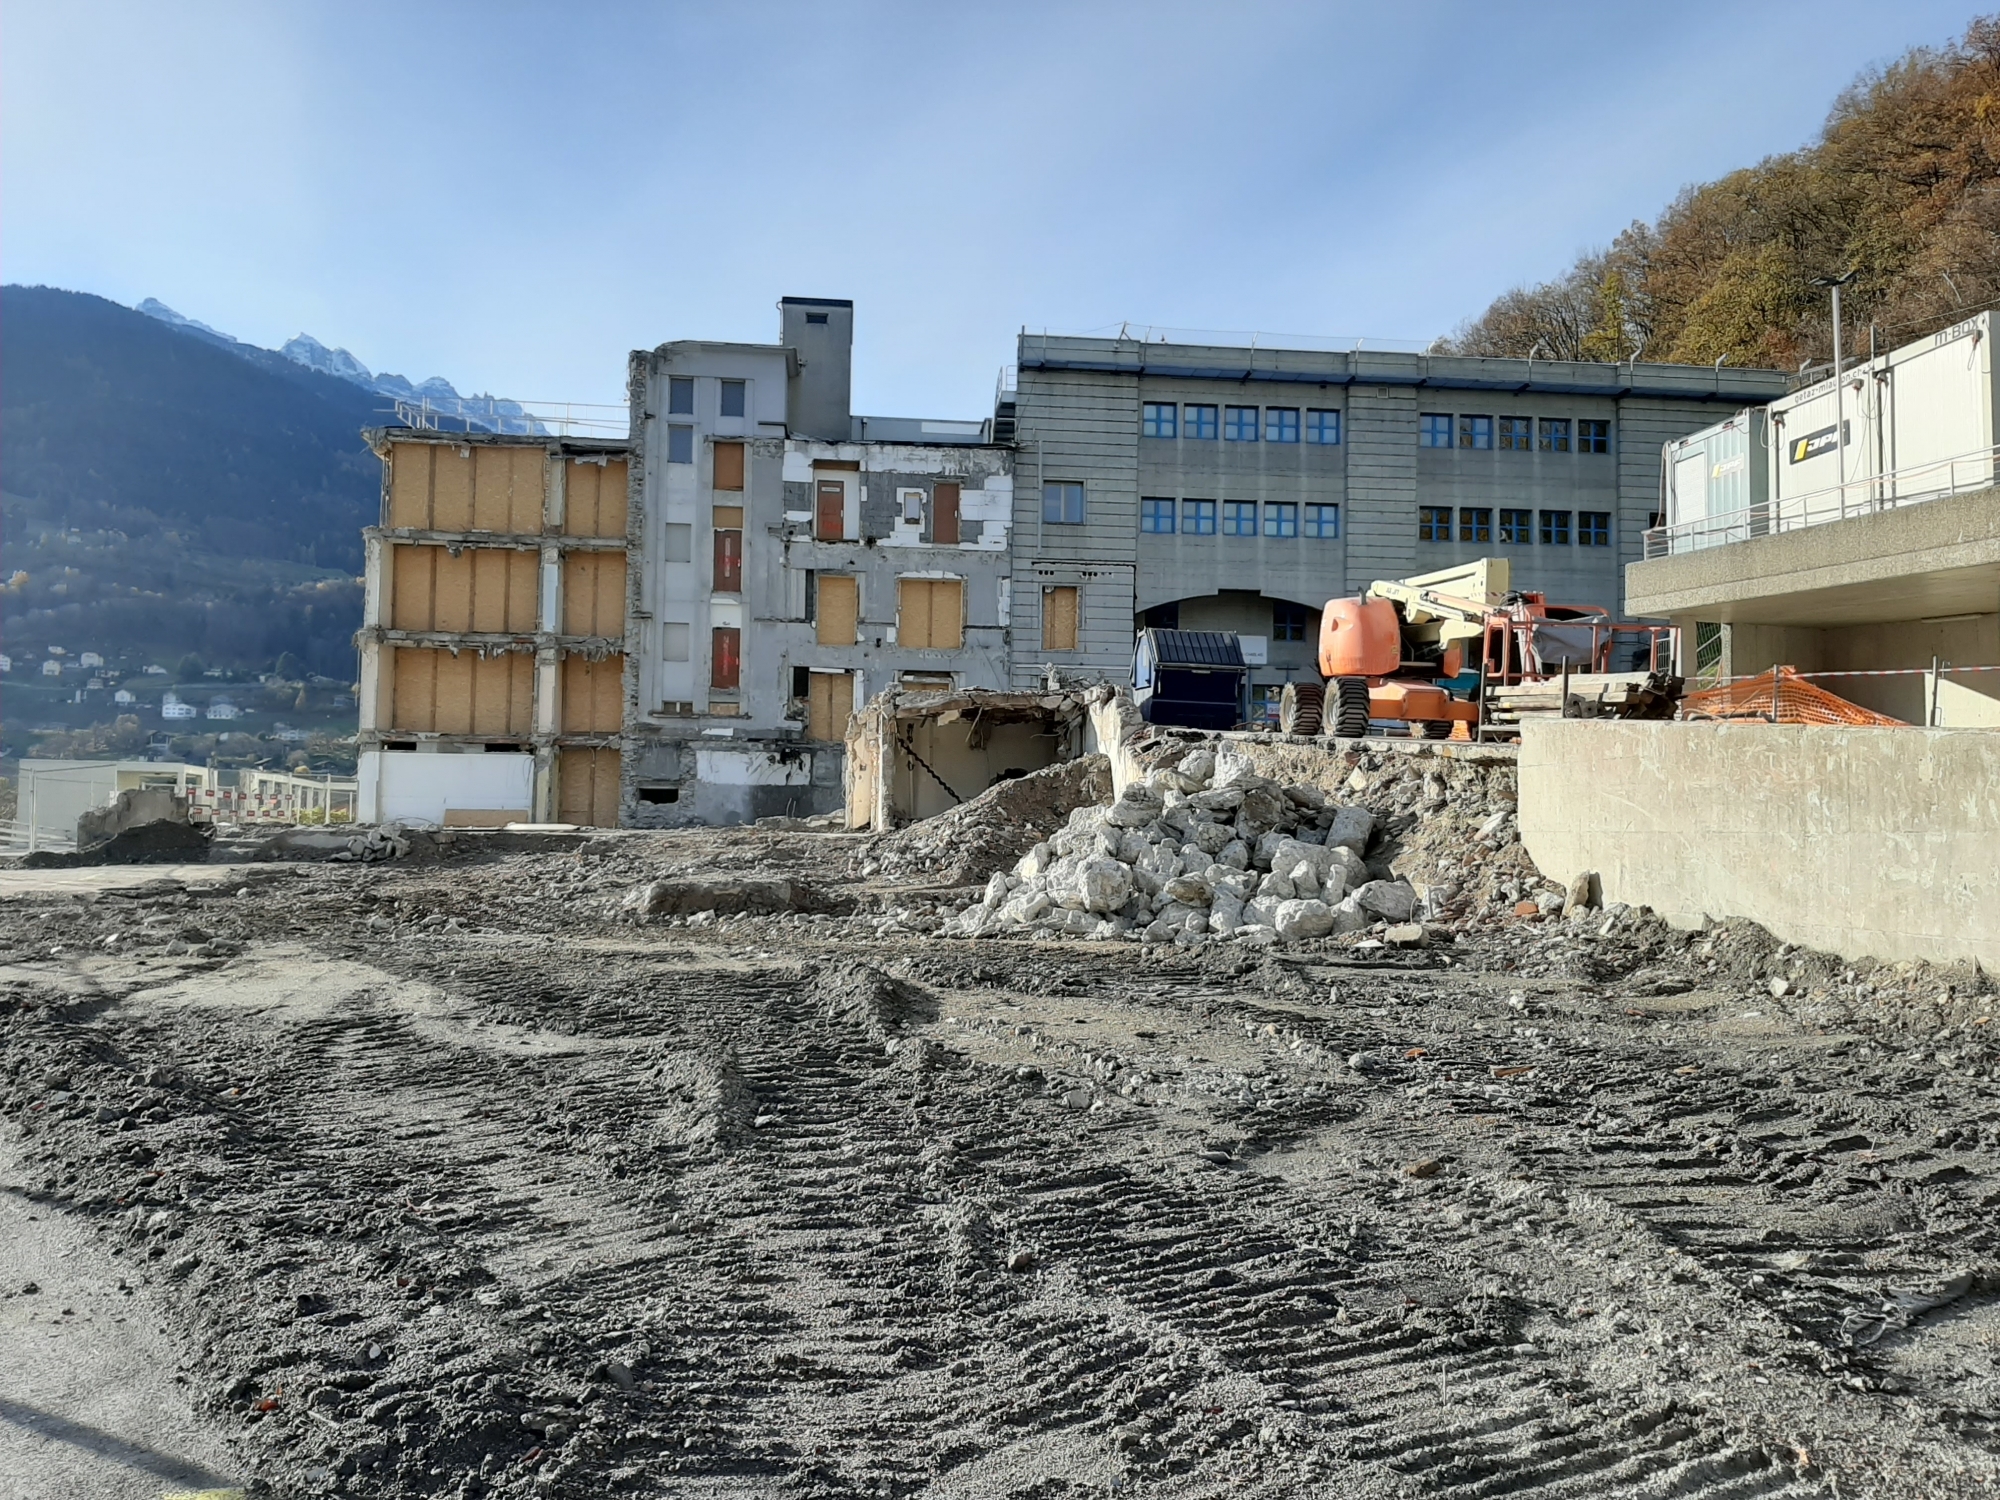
<point x="1350" y="712"/>
<point x="1301" y="707"/>
<point x="1437" y="729"/>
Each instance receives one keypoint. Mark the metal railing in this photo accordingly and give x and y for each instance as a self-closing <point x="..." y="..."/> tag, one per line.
<point x="20" y="837"/>
<point x="1864" y="496"/>
<point x="526" y="418"/>
<point x="1230" y="338"/>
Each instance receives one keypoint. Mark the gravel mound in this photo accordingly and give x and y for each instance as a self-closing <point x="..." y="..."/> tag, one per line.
<point x="994" y="829"/>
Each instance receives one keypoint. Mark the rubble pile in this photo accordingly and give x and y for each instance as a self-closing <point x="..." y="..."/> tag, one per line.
<point x="1203" y="848"/>
<point x="993" y="829"/>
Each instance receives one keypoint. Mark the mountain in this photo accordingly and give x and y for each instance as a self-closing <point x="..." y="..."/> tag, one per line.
<point x="480" y="413"/>
<point x="1901" y="191"/>
<point x="169" y="490"/>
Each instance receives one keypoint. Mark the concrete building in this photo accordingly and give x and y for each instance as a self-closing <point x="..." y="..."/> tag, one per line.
<point x="493" y="635"/>
<point x="791" y="559"/>
<point x="1207" y="487"/>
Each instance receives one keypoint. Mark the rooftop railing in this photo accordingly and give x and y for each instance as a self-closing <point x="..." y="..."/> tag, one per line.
<point x="1866" y="496"/>
<point x="526" y="418"/>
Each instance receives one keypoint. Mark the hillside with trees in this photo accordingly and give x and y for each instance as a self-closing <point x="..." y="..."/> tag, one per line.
<point x="1902" y="188"/>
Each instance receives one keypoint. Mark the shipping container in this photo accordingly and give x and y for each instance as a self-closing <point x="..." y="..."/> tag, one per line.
<point x="1907" y="425"/>
<point x="1716" y="483"/>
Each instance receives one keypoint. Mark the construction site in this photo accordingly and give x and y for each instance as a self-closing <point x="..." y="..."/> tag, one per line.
<point x="813" y="1001"/>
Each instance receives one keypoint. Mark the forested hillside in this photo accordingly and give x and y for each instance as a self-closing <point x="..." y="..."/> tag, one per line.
<point x="165" y="496"/>
<point x="1902" y="188"/>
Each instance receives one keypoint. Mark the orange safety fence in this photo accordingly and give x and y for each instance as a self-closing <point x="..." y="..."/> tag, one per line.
<point x="1780" y="696"/>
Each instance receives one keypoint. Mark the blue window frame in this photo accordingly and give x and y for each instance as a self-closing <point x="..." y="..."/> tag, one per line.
<point x="1434" y="430"/>
<point x="1198" y="517"/>
<point x="1323" y="427"/>
<point x="680" y="395"/>
<point x="1475" y="432"/>
<point x="1593" y="528"/>
<point x="1157" y="516"/>
<point x="1288" y="621"/>
<point x="1517" y="434"/>
<point x="1281" y="424"/>
<point x="733" y="397"/>
<point x="1160" y="419"/>
<point x="1555" y="434"/>
<point x="1062" y="503"/>
<point x="1475" y="523"/>
<point x="1199" y="422"/>
<point x="1281" y="518"/>
<point x="1555" y="528"/>
<point x="1323" y="521"/>
<point x="1593" y="437"/>
<point x="680" y="445"/>
<point x="1434" y="523"/>
<point x="1517" y="526"/>
<point x="1239" y="518"/>
<point x="1239" y="424"/>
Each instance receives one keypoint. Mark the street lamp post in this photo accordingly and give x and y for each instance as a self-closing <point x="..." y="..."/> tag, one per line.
<point x="1835" y="283"/>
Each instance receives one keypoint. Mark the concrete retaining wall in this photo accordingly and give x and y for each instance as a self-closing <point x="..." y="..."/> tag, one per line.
<point x="1879" y="843"/>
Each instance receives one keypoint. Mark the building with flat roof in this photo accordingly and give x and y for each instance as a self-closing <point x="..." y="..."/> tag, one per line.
<point x="791" y="559"/>
<point x="1214" y="487"/>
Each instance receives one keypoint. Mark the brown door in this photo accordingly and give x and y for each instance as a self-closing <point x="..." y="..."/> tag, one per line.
<point x="1059" y="619"/>
<point x="944" y="515"/>
<point x="729" y="562"/>
<point x="839" y="610"/>
<point x="728" y="466"/>
<point x="829" y="704"/>
<point x="830" y="524"/>
<point x="726" y="665"/>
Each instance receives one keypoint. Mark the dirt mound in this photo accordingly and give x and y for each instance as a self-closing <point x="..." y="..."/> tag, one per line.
<point x="161" y="843"/>
<point x="992" y="830"/>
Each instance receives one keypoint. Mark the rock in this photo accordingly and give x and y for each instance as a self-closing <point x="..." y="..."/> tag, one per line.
<point x="1277" y="887"/>
<point x="1582" y="894"/>
<point x="1348" y="916"/>
<point x="1779" y="988"/>
<point x="1490" y="829"/>
<point x="1353" y="868"/>
<point x="1232" y="768"/>
<point x="1255" y="936"/>
<point x="1021" y="1260"/>
<point x="1407" y="935"/>
<point x="1199" y="766"/>
<point x="1351" y="829"/>
<point x="1263" y="911"/>
<point x="1306" y="795"/>
<point x="1391" y="900"/>
<point x="1264" y="807"/>
<point x="1235" y="854"/>
<point x="1221" y="799"/>
<point x="1428" y="1167"/>
<point x="1189" y="890"/>
<point x="1025" y="905"/>
<point x="1106" y="884"/>
<point x="1298" y="920"/>
<point x="997" y="891"/>
<point x="1213" y="838"/>
<point x="1035" y="862"/>
<point x="1527" y="909"/>
<point x="1226" y="915"/>
<point x="1136" y="807"/>
<point x="1076" y="1099"/>
<point x="1304" y="882"/>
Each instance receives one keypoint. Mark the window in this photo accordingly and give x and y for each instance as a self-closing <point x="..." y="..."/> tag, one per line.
<point x="836" y="609"/>
<point x="674" y="643"/>
<point x="1323" y="521"/>
<point x="1323" y="427"/>
<point x="679" y="541"/>
<point x="1516" y="434"/>
<point x="1198" y="517"/>
<point x="680" y="445"/>
<point x="1239" y="518"/>
<point x="1593" y="436"/>
<point x="1593" y="528"/>
<point x="1156" y="516"/>
<point x="1239" y="424"/>
<point x="1434" y="523"/>
<point x="1281" y="424"/>
<point x="1062" y="503"/>
<point x="1281" y="518"/>
<point x="728" y="466"/>
<point x="1059" y="619"/>
<point x="728" y="562"/>
<point x="726" y="661"/>
<point x="1266" y="699"/>
<point x="815" y="317"/>
<point x="1555" y="528"/>
<point x="732" y="398"/>
<point x="1199" y="422"/>
<point x="1288" y="622"/>
<point x="1555" y="434"/>
<point x="680" y="396"/>
<point x="1517" y="526"/>
<point x="1475" y="432"/>
<point x="912" y="502"/>
<point x="1435" y="429"/>
<point x="930" y="613"/>
<point x="1475" y="523"/>
<point x="1159" y="420"/>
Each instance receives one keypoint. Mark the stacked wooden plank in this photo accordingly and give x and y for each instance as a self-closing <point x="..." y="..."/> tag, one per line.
<point x="1592" y="695"/>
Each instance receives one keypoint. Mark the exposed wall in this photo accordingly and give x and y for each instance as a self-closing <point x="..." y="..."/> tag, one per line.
<point x="1864" y="842"/>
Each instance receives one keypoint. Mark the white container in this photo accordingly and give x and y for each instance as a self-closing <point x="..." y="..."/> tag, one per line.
<point x="1715" y="484"/>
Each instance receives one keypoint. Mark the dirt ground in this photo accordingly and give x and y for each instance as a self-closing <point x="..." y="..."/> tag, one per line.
<point x="445" y="1177"/>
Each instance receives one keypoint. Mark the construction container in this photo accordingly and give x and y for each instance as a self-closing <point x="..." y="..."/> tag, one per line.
<point x="1716" y="483"/>
<point x="1906" y="425"/>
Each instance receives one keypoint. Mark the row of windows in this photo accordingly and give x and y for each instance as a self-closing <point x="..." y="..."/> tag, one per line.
<point x="1238" y="424"/>
<point x="1475" y="524"/>
<point x="680" y="398"/>
<point x="1239" y="518"/>
<point x="1441" y="429"/>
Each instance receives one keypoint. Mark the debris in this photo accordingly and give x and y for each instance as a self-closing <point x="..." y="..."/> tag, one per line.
<point x="1428" y="1167"/>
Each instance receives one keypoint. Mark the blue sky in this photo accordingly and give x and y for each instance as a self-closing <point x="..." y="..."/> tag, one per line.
<point x="514" y="195"/>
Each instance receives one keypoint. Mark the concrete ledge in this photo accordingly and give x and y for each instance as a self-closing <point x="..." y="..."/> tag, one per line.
<point x="1934" y="557"/>
<point x="1880" y="843"/>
